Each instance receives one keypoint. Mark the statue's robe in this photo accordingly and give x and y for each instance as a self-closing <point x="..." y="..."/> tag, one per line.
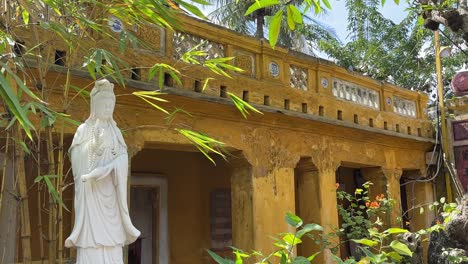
<point x="102" y="222"/>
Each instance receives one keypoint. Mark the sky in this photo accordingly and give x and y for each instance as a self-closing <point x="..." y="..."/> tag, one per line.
<point x="336" y="18"/>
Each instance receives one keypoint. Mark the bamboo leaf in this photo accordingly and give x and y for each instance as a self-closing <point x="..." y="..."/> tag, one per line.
<point x="151" y="95"/>
<point x="242" y="105"/>
<point x="52" y="191"/>
<point x="205" y="84"/>
<point x="203" y="143"/>
<point x="25" y="15"/>
<point x="14" y="105"/>
<point x="327" y="4"/>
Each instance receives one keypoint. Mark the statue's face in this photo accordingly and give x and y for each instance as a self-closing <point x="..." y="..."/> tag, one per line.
<point x="104" y="108"/>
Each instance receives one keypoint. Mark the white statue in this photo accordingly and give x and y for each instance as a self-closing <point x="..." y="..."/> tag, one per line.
<point x="100" y="163"/>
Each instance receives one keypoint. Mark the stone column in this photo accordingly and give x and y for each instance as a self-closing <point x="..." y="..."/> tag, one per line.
<point x="242" y="204"/>
<point x="393" y="176"/>
<point x="327" y="211"/>
<point x="307" y="202"/>
<point x="261" y="197"/>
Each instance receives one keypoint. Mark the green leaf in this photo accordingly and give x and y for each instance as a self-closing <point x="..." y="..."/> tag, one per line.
<point x="293" y="220"/>
<point x="52" y="191"/>
<point x="382" y="2"/>
<point x="312" y="257"/>
<point x="205" y="83"/>
<point x="421" y="210"/>
<point x="296" y="14"/>
<point x="284" y="258"/>
<point x="396" y="230"/>
<point x="308" y="228"/>
<point x="151" y="95"/>
<point x="366" y="242"/>
<point x="25" y="15"/>
<point x="218" y="258"/>
<point x="242" y="105"/>
<point x="401" y="248"/>
<point x="290" y="20"/>
<point x="14" y="105"/>
<point x="291" y="239"/>
<point x="327" y="4"/>
<point x="442" y="200"/>
<point x="275" y="26"/>
<point x="192" y="9"/>
<point x="395" y="256"/>
<point x="38" y="179"/>
<point x="300" y="260"/>
<point x="260" y="4"/>
<point x="203" y="143"/>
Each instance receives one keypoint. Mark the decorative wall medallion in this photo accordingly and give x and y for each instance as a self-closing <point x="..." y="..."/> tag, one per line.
<point x="324" y="82"/>
<point x="389" y="101"/>
<point x="115" y="24"/>
<point x="298" y="77"/>
<point x="274" y="69"/>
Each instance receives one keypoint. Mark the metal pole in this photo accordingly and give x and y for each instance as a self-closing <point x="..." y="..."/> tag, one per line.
<point x="443" y="124"/>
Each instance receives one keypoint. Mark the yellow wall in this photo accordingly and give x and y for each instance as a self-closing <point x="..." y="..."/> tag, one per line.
<point x="190" y="178"/>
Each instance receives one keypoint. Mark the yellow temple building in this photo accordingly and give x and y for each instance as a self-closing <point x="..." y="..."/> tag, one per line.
<point x="320" y="125"/>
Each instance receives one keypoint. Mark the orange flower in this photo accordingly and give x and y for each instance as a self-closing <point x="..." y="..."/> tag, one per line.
<point x="438" y="222"/>
<point x="380" y="197"/>
<point x="374" y="205"/>
<point x="337" y="185"/>
<point x="367" y="204"/>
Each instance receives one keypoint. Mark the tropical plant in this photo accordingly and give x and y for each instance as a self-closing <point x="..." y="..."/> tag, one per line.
<point x="377" y="246"/>
<point x="380" y="247"/>
<point x="358" y="210"/>
<point x="288" y="22"/>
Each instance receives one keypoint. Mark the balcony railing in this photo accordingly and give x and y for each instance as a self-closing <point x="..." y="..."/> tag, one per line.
<point x="279" y="78"/>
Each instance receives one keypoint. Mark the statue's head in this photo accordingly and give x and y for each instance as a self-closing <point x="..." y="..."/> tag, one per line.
<point x="102" y="100"/>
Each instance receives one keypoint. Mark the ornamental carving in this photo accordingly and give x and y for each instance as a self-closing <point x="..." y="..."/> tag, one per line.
<point x="183" y="42"/>
<point x="298" y="77"/>
<point x="245" y="61"/>
<point x="404" y="106"/>
<point x="153" y="38"/>
<point x="356" y="94"/>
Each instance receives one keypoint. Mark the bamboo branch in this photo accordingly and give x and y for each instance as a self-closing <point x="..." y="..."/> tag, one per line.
<point x="4" y="168"/>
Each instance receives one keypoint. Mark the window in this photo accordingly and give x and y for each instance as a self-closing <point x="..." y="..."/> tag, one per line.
<point x="221" y="220"/>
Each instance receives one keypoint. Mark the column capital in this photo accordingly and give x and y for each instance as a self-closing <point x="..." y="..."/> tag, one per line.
<point x="392" y="173"/>
<point x="133" y="149"/>
<point x="325" y="161"/>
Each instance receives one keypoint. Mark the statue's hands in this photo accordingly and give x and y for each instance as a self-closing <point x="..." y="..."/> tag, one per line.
<point x="97" y="172"/>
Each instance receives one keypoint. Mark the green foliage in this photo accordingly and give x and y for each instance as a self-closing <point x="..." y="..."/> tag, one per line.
<point x="51" y="188"/>
<point x="377" y="247"/>
<point x="242" y="105"/>
<point x="357" y="210"/>
<point x="401" y="54"/>
<point x="284" y="246"/>
<point x="203" y="143"/>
